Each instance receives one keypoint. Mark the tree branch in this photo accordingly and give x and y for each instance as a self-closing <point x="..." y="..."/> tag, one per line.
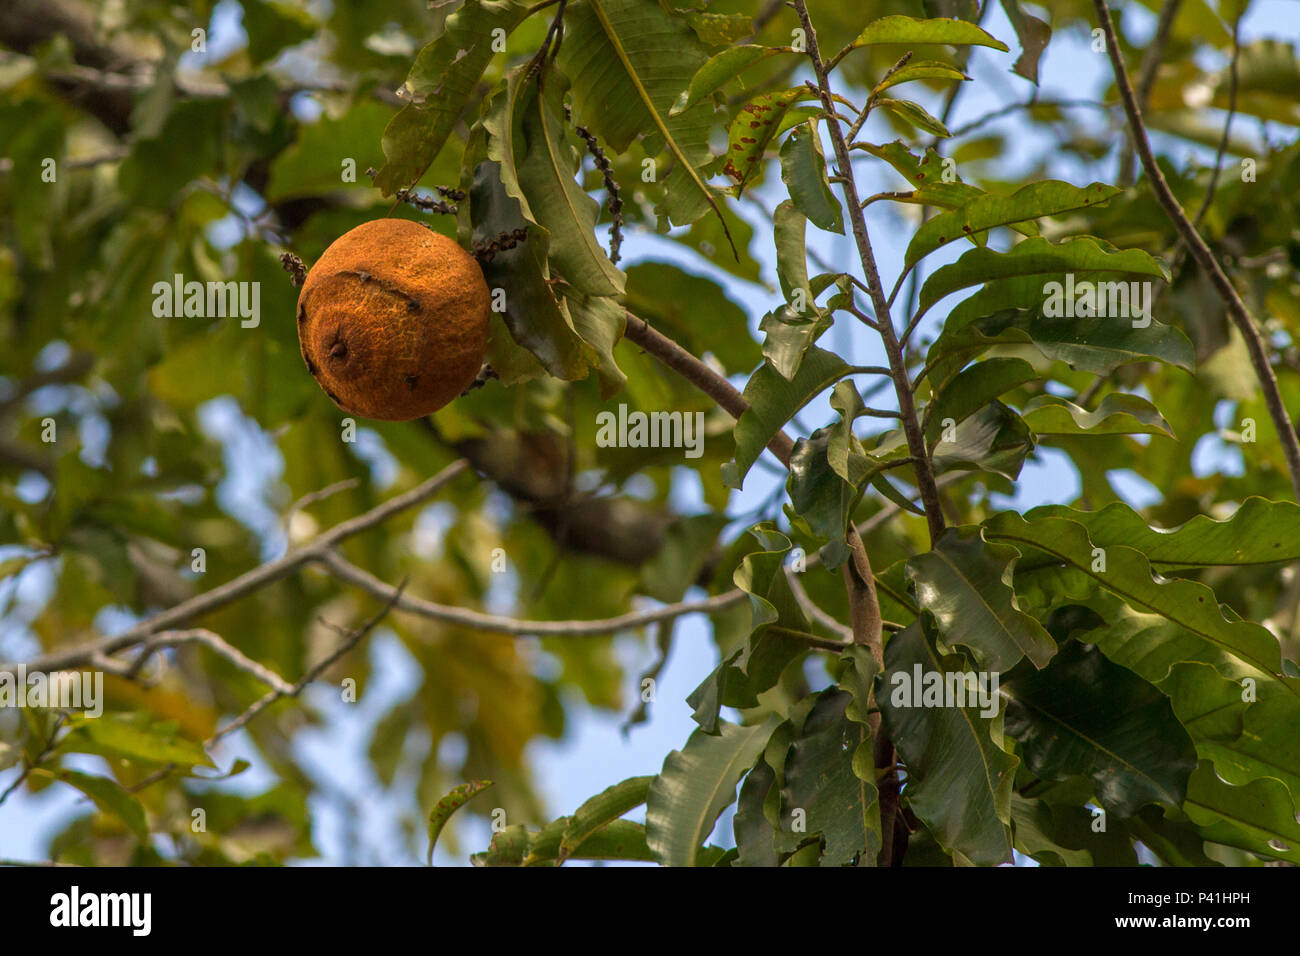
<point x="1204" y="257"/>
<point x="250" y="580"/>
<point x="349" y="573"/>
<point x="897" y="362"/>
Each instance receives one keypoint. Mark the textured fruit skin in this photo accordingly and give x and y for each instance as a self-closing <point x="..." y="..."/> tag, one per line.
<point x="393" y="320"/>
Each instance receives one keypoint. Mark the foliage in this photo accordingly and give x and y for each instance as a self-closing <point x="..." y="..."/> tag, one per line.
<point x="1133" y="690"/>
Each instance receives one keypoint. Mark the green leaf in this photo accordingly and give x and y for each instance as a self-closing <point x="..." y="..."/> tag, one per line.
<point x="440" y="83"/>
<point x="959" y="780"/>
<point x="1035" y="834"/>
<point x="688" y="545"/>
<point x="803" y="170"/>
<point x="1046" y="198"/>
<point x="974" y="388"/>
<point x="273" y="26"/>
<point x="601" y="809"/>
<point x="754" y="833"/>
<point x="107" y="794"/>
<point x="718" y="70"/>
<point x="753" y="127"/>
<point x="696" y="784"/>
<point x="792" y="329"/>
<point x="920" y="70"/>
<point x="1190" y="606"/>
<point x="778" y="630"/>
<point x="546" y="163"/>
<point x="924" y="173"/>
<point x="628" y="62"/>
<point x="132" y="737"/>
<point x="910" y="30"/>
<point x="600" y="322"/>
<point x="1096" y="344"/>
<point x="1033" y="34"/>
<point x="1245" y="739"/>
<point x="718" y="29"/>
<point x="1083" y="714"/>
<point x="773" y="401"/>
<point x="1117" y="414"/>
<point x="1258" y="532"/>
<point x="965" y="583"/>
<point x="449" y="804"/>
<point x="1259" y="817"/>
<point x="1037" y="257"/>
<point x="830" y="777"/>
<point x="819" y="495"/>
<point x="913" y="114"/>
<point x="537" y="320"/>
<point x="993" y="439"/>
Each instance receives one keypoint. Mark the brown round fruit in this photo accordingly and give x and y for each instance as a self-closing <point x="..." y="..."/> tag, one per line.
<point x="393" y="320"/>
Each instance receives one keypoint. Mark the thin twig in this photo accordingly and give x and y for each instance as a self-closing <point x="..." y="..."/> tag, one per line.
<point x="251" y="580"/>
<point x="1203" y="256"/>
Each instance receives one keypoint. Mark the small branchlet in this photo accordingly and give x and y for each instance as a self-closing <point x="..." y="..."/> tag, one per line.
<point x="487" y="251"/>
<point x="293" y="265"/>
<point x="485" y="375"/>
<point x="611" y="185"/>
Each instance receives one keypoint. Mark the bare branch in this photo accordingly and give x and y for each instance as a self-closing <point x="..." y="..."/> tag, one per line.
<point x="262" y="575"/>
<point x="1204" y="257"/>
<point x="348" y="572"/>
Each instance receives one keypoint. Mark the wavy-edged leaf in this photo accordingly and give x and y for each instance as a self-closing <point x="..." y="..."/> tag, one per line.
<point x="1117" y="414"/>
<point x="456" y="798"/>
<point x="1046" y="198"/>
<point x="1096" y="344"/>
<point x="1258" y="532"/>
<point x="829" y="775"/>
<point x="1246" y="735"/>
<point x="791" y="329"/>
<point x="959" y="781"/>
<point x="1035" y="834"/>
<point x="1037" y="256"/>
<point x="773" y="401"/>
<point x="537" y="320"/>
<point x="1188" y="605"/>
<point x="965" y="583"/>
<point x="992" y="439"/>
<point x="972" y="389"/>
<point x="1083" y="714"/>
<point x="1259" y="817"/>
<point x="439" y="84"/>
<point x="696" y="784"/>
<point x="778" y="629"/>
